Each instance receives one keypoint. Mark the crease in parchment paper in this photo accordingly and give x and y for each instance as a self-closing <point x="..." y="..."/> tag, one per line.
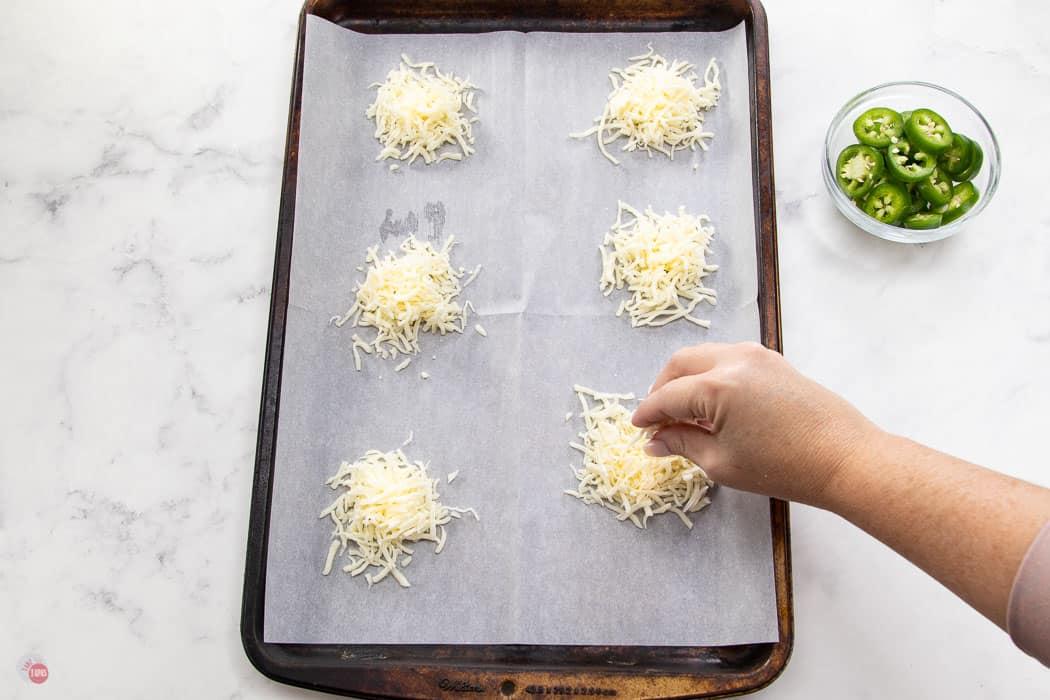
<point x="531" y="206"/>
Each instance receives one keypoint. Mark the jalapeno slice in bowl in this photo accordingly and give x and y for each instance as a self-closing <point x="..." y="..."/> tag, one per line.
<point x="928" y="131"/>
<point x="962" y="201"/>
<point x="887" y="203"/>
<point x="956" y="158"/>
<point x="976" y="161"/>
<point x="937" y="188"/>
<point x="878" y="127"/>
<point x="917" y="202"/>
<point x="907" y="163"/>
<point x="923" y="220"/>
<point x="857" y="169"/>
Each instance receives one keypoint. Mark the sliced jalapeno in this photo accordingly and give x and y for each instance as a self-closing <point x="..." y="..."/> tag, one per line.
<point x="859" y="201"/>
<point x="976" y="161"/>
<point x="957" y="157"/>
<point x="906" y="163"/>
<point x="928" y="131"/>
<point x="857" y="169"/>
<point x="962" y="201"/>
<point x="878" y="127"/>
<point x="917" y="202"/>
<point x="887" y="203"/>
<point x="937" y="188"/>
<point x="923" y="220"/>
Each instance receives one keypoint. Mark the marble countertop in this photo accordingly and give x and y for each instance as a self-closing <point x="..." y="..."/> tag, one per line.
<point x="140" y="162"/>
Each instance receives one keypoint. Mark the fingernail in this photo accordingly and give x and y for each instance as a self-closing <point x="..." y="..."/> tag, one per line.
<point x="657" y="448"/>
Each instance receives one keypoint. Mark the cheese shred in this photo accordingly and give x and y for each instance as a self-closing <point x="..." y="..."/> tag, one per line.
<point x="661" y="260"/>
<point x="419" y="110"/>
<point x="385" y="503"/>
<point x="617" y="474"/>
<point x="657" y="106"/>
<point x="403" y="295"/>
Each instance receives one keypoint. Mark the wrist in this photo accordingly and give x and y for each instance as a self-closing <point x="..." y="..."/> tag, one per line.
<point x="850" y="474"/>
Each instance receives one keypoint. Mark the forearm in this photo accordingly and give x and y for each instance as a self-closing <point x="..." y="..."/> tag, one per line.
<point x="966" y="526"/>
<point x="756" y="424"/>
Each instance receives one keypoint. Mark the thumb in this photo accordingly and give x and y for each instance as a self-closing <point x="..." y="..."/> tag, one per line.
<point x="691" y="442"/>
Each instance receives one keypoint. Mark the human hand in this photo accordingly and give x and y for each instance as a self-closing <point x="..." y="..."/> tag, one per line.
<point x="752" y="421"/>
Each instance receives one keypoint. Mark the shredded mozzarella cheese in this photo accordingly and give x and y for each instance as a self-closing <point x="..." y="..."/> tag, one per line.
<point x="403" y="295"/>
<point x="386" y="503"/>
<point x="473" y="276"/>
<point x="617" y="474"/>
<point x="656" y="106"/>
<point x="662" y="261"/>
<point x="419" y="110"/>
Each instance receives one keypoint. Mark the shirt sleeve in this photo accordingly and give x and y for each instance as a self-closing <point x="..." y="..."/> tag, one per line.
<point x="1028" y="613"/>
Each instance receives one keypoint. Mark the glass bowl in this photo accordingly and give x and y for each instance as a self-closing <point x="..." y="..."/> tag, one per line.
<point x="903" y="96"/>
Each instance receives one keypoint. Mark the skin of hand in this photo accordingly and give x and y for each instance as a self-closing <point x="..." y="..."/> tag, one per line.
<point x="754" y="423"/>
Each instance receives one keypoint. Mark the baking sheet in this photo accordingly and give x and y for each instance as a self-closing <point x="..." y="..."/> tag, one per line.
<point x="531" y="206"/>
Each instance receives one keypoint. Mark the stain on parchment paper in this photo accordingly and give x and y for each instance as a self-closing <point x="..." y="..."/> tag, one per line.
<point x="434" y="213"/>
<point x="398" y="227"/>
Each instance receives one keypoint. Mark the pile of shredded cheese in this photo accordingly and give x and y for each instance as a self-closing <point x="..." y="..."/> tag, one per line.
<point x="662" y="261"/>
<point x="418" y="110"/>
<point x="617" y="473"/>
<point x="386" y="502"/>
<point x="403" y="295"/>
<point x="656" y="106"/>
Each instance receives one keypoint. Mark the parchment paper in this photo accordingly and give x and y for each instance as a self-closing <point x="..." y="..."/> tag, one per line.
<point x="531" y="206"/>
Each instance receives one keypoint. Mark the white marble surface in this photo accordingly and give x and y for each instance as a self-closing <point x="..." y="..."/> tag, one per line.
<point x="140" y="160"/>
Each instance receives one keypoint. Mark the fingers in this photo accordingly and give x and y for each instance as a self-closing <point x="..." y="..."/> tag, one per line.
<point x="692" y="360"/>
<point x="695" y="444"/>
<point x="683" y="400"/>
